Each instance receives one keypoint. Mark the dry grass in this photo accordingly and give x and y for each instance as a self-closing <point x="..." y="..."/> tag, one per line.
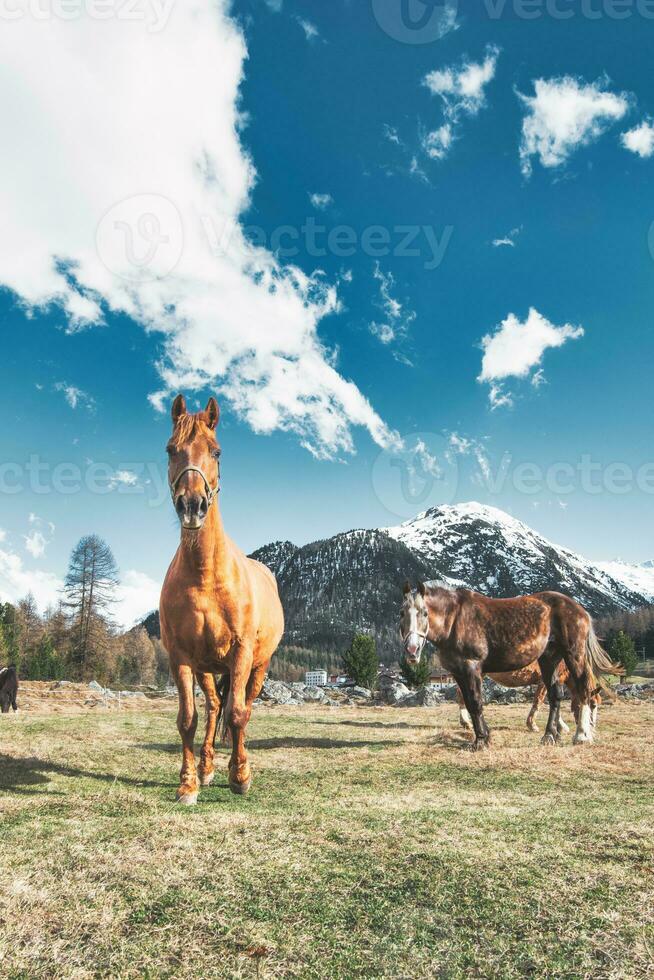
<point x="372" y="845"/>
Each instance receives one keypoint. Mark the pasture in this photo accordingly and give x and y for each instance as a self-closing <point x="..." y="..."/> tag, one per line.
<point x="371" y="845"/>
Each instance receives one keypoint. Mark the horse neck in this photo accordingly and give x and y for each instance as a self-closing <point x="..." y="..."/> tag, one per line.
<point x="205" y="552"/>
<point x="444" y="607"/>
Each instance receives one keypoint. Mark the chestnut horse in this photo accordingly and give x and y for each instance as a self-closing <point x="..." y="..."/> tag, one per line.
<point x="529" y="677"/>
<point x="476" y="635"/>
<point x="220" y="611"/>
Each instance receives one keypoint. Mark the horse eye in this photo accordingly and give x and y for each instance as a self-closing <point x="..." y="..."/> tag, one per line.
<point x="216" y="454"/>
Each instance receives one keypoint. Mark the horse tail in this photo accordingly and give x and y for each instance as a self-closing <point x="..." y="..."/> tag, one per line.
<point x="598" y="658"/>
<point x="222" y="689"/>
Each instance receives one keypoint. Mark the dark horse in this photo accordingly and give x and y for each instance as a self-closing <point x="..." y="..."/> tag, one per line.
<point x="8" y="689"/>
<point x="476" y="635"/>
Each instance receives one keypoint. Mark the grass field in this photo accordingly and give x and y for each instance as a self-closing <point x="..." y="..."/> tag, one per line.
<point x="371" y="846"/>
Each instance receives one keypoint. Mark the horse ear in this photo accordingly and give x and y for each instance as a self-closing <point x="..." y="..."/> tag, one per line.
<point x="178" y="409"/>
<point x="422" y="589"/>
<point x="407" y="587"/>
<point x="212" y="412"/>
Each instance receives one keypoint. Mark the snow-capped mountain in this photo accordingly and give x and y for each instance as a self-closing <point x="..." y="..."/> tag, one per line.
<point x="487" y="550"/>
<point x="352" y="581"/>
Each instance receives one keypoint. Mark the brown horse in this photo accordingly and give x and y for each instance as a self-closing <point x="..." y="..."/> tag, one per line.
<point x="476" y="635"/>
<point x="220" y="611"/>
<point x="529" y="677"/>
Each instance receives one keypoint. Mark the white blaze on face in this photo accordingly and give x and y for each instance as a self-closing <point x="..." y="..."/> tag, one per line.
<point x="413" y="640"/>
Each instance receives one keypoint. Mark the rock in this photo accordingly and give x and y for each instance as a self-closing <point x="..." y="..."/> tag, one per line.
<point x="393" y="693"/>
<point x="494" y="693"/>
<point x="313" y="694"/>
<point x="359" y="692"/>
<point x="94" y="686"/>
<point x="426" y="697"/>
<point x="634" y="691"/>
<point x="61" y="684"/>
<point x="277" y="692"/>
<point x="449" y="692"/>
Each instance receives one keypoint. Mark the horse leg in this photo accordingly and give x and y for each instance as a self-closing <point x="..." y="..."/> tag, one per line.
<point x="238" y="716"/>
<point x="206" y="769"/>
<point x="548" y="668"/>
<point x="469" y="681"/>
<point x="187" y="722"/>
<point x="464" y="715"/>
<point x="581" y="679"/>
<point x="539" y="697"/>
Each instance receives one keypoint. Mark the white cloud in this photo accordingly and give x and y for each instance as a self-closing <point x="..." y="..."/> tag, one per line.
<point x="397" y="319"/>
<point x="35" y="544"/>
<point x="321" y="201"/>
<point x="516" y="348"/>
<point x="462" y="90"/>
<point x="564" y="114"/>
<point x="73" y="395"/>
<point x="640" y="139"/>
<point x="137" y="595"/>
<point x="3" y="534"/>
<point x="508" y="241"/>
<point x="311" y="32"/>
<point x="437" y="143"/>
<point x="392" y="135"/>
<point x="117" y="219"/>
<point x="464" y="446"/>
<point x="39" y="537"/>
<point x="16" y="582"/>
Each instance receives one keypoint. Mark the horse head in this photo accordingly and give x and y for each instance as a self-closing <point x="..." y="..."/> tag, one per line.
<point x="193" y="462"/>
<point x="414" y="622"/>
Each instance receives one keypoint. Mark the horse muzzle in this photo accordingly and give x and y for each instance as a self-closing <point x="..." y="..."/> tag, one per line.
<point x="192" y="510"/>
<point x="413" y="645"/>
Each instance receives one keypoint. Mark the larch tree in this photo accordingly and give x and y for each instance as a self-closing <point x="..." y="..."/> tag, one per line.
<point x="89" y="591"/>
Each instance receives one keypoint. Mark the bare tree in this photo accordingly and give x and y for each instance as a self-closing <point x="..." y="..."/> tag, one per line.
<point x="89" y="591"/>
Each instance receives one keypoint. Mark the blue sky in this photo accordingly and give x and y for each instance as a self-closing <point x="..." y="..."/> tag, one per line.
<point x="333" y="148"/>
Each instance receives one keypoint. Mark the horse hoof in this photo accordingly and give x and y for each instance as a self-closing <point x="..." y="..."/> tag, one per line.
<point x="240" y="789"/>
<point x="532" y="727"/>
<point x="187" y="799"/>
<point x="582" y="739"/>
<point x="549" y="740"/>
<point x="479" y="746"/>
<point x="207" y="778"/>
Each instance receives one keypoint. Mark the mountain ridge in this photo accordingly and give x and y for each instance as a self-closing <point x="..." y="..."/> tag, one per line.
<point x="333" y="587"/>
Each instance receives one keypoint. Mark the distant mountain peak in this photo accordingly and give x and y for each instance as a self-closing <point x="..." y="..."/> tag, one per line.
<point x="333" y="588"/>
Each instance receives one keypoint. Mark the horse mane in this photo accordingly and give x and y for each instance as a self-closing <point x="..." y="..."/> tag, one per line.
<point x="187" y="428"/>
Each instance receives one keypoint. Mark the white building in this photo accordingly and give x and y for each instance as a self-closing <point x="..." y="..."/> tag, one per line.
<point x="315" y="678"/>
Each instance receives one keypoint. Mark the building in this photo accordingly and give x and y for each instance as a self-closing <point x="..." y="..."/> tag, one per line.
<point x="439" y="677"/>
<point x="315" y="678"/>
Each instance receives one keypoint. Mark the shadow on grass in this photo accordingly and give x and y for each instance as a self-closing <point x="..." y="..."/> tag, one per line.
<point x="15" y="773"/>
<point x="372" y="724"/>
<point x="283" y="742"/>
